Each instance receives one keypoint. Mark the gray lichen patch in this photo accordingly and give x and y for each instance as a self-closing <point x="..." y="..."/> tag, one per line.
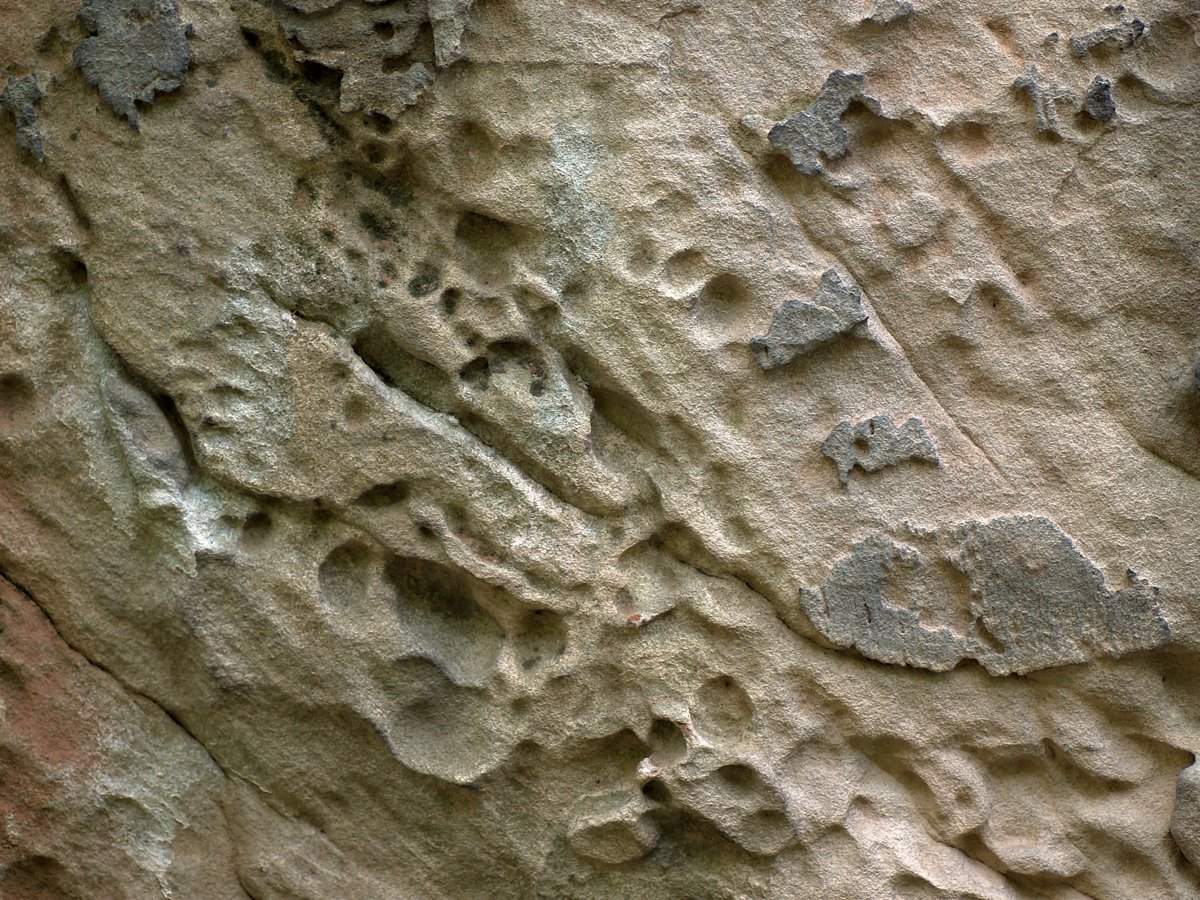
<point x="799" y="326"/>
<point x="1098" y="103"/>
<point x="448" y="18"/>
<point x="1012" y="593"/>
<point x="136" y="49"/>
<point x="20" y="97"/>
<point x="877" y="443"/>
<point x="1045" y="94"/>
<point x="1121" y="37"/>
<point x="817" y="130"/>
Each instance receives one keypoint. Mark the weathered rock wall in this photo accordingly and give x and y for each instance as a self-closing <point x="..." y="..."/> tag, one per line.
<point x="671" y="448"/>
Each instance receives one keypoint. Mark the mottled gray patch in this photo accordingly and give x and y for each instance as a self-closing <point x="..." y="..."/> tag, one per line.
<point x="1013" y="594"/>
<point x="20" y="98"/>
<point x="799" y="326"/>
<point x="136" y="49"/>
<point x="1045" y="94"/>
<point x="1121" y="37"/>
<point x="817" y="131"/>
<point x="877" y="443"/>
<point x="1185" y="818"/>
<point x="1099" y="103"/>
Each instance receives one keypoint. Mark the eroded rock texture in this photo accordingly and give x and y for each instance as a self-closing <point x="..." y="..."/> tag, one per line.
<point x="418" y="437"/>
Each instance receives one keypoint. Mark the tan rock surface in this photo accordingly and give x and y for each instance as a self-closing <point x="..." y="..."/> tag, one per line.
<point x="563" y="449"/>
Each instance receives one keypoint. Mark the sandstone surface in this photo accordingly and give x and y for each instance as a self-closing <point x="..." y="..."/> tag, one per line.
<point x="571" y="449"/>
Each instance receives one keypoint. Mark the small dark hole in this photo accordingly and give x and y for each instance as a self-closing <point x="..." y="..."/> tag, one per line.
<point x="318" y="74"/>
<point x="657" y="791"/>
<point x="76" y="269"/>
<point x="379" y="225"/>
<point x="378" y="121"/>
<point x="476" y="373"/>
<point x="374" y="152"/>
<point x="256" y="527"/>
<point x="384" y="495"/>
<point x="424" y="282"/>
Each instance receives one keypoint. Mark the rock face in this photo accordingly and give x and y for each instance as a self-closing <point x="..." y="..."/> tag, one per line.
<point x="418" y="437"/>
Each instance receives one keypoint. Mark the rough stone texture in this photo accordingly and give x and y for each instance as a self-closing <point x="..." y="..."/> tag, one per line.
<point x="411" y="449"/>
<point x="885" y="12"/>
<point x="104" y="795"/>
<point x="1185" y="820"/>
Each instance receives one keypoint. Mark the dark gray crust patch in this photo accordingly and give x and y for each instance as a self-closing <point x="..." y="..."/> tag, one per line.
<point x="799" y="326"/>
<point x="817" y="130"/>
<point x="877" y="443"/>
<point x="136" y="49"/>
<point x="1012" y="593"/>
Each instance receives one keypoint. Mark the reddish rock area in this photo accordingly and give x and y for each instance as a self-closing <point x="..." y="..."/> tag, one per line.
<point x="84" y="810"/>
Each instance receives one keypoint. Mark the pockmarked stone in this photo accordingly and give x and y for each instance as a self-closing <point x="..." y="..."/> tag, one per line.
<point x="571" y="450"/>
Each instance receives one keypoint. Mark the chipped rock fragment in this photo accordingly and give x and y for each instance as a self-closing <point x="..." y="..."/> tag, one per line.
<point x="877" y="443"/>
<point x="1120" y="37"/>
<point x="800" y="326"/>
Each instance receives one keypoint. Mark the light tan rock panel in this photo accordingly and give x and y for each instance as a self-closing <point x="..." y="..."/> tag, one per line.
<point x="585" y="450"/>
